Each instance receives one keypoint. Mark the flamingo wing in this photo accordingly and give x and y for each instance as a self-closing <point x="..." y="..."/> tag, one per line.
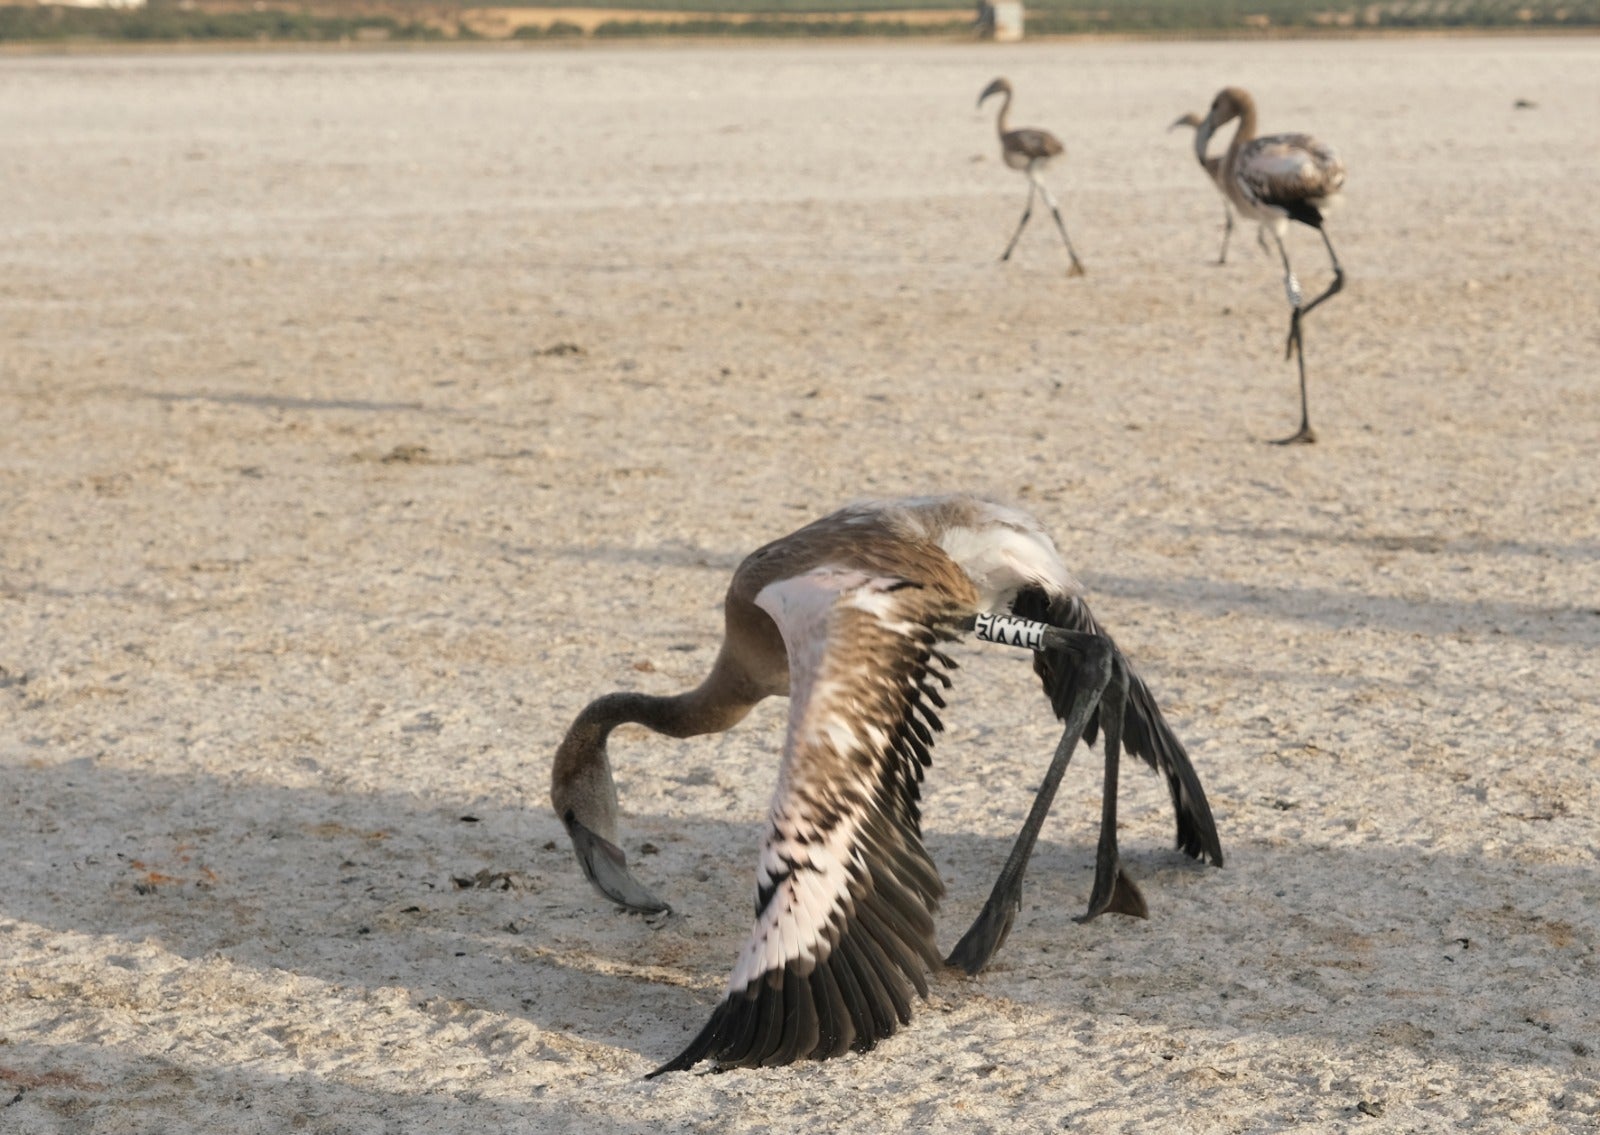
<point x="1032" y="143"/>
<point x="1145" y="733"/>
<point x="1282" y="169"/>
<point x="845" y="888"/>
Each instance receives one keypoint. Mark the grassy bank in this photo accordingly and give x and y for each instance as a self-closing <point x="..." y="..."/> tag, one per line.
<point x="405" y="20"/>
<point x="160" y="23"/>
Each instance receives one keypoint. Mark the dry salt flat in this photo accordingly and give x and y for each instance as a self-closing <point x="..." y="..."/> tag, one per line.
<point x="364" y="415"/>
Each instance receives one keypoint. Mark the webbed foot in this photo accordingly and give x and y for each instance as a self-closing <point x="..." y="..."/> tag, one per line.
<point x="1115" y="891"/>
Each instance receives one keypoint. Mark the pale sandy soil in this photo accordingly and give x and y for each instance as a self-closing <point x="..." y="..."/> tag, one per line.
<point x="314" y="534"/>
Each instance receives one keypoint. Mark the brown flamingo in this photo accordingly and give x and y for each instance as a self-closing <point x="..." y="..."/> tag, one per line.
<point x="849" y="617"/>
<point x="1275" y="180"/>
<point x="1029" y="150"/>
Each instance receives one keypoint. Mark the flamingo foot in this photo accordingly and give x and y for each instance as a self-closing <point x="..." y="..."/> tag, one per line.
<point x="1305" y="435"/>
<point x="987" y="933"/>
<point x="1114" y="891"/>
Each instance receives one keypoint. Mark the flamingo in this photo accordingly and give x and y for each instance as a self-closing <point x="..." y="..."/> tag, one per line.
<point x="1213" y="168"/>
<point x="1030" y="151"/>
<point x="850" y="617"/>
<point x="1275" y="180"/>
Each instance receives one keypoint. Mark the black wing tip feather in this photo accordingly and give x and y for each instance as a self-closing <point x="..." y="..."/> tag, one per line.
<point x="819" y="1020"/>
<point x="1145" y="732"/>
<point x="1197" y="837"/>
<point x="859" y="995"/>
<point x="1159" y="746"/>
<point x="1303" y="211"/>
<point x="698" y="1049"/>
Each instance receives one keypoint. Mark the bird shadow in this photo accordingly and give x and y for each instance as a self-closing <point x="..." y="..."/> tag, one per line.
<point x="1338" y="608"/>
<point x="289" y="402"/>
<point x="1349" y="609"/>
<point x="1573" y="552"/>
<point x="77" y="1087"/>
<point x="480" y="904"/>
<point x="660" y="554"/>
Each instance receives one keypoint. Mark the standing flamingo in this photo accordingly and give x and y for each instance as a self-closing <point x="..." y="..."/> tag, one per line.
<point x="849" y="617"/>
<point x="1030" y="151"/>
<point x="1275" y="180"/>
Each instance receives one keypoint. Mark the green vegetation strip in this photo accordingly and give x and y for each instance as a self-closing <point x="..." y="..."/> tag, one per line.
<point x="163" y="22"/>
<point x="1164" y="15"/>
<point x="160" y="24"/>
<point x="764" y="27"/>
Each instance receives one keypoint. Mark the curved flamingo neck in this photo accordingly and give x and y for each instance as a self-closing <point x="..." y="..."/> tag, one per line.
<point x="1003" y="122"/>
<point x="1243" y="133"/>
<point x="1247" y="125"/>
<point x="679" y="715"/>
<point x="581" y="772"/>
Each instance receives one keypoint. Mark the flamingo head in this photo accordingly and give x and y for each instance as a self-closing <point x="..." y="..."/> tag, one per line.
<point x="998" y="87"/>
<point x="1230" y="103"/>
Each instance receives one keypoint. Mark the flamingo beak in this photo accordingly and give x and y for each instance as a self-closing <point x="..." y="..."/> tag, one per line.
<point x="607" y="868"/>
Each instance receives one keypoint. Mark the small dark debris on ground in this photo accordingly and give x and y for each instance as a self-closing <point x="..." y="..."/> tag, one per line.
<point x="487" y="880"/>
<point x="406" y="455"/>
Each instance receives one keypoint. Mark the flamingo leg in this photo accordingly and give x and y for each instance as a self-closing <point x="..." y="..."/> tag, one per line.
<point x="1227" y="231"/>
<point x="1077" y="268"/>
<point x="1095" y="664"/>
<point x="1022" y="224"/>
<point x="1296" y="342"/>
<point x="1338" y="277"/>
<point x="1113" y="889"/>
<point x="1305" y="435"/>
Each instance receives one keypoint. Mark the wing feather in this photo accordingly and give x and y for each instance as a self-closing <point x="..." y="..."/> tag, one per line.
<point x="1284" y="168"/>
<point x="1145" y="733"/>
<point x="846" y="890"/>
<point x="1032" y="142"/>
<point x="834" y="1032"/>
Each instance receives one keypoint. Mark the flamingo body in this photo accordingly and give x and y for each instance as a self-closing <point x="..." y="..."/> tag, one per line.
<point x="1029" y="150"/>
<point x="1274" y="180"/>
<point x="850" y="616"/>
<point x="1283" y="178"/>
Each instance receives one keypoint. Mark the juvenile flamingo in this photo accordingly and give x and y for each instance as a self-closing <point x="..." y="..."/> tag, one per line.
<point x="1275" y="180"/>
<point x="1030" y="151"/>
<point x="849" y="617"/>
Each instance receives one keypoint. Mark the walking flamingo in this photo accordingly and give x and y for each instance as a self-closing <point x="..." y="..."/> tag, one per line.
<point x="1275" y="180"/>
<point x="1030" y="151"/>
<point x="849" y="618"/>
